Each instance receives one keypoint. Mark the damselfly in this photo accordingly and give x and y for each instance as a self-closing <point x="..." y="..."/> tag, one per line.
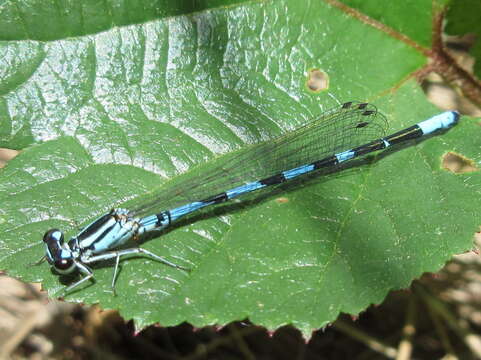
<point x="347" y="132"/>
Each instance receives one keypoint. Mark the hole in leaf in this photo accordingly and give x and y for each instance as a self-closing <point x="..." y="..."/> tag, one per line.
<point x="6" y="155"/>
<point x="458" y="164"/>
<point x="317" y="80"/>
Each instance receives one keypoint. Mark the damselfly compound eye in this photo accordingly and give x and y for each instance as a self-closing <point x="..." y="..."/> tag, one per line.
<point x="64" y="266"/>
<point x="53" y="235"/>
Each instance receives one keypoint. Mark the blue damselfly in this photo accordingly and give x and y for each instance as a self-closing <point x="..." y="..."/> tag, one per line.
<point x="347" y="132"/>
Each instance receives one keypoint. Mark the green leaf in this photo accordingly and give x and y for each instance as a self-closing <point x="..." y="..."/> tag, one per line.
<point x="114" y="116"/>
<point x="57" y="19"/>
<point x="396" y="15"/>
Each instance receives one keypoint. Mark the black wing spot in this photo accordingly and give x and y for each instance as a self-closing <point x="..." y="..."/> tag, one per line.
<point x="362" y="124"/>
<point x="368" y="112"/>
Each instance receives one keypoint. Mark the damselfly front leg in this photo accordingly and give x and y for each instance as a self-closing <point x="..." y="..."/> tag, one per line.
<point x="119" y="253"/>
<point x="83" y="269"/>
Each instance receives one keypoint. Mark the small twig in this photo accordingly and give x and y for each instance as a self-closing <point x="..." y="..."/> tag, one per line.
<point x="472" y="341"/>
<point x="241" y="344"/>
<point x="405" y="347"/>
<point x="203" y="350"/>
<point x="366" y="339"/>
<point x="442" y="333"/>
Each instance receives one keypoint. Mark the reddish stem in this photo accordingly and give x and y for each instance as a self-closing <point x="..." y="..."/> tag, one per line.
<point x="441" y="62"/>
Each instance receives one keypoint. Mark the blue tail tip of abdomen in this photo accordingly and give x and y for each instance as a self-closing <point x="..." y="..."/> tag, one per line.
<point x="447" y="119"/>
<point x="456" y="115"/>
<point x="441" y="121"/>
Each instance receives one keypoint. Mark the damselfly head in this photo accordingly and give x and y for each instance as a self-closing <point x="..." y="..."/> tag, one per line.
<point x="57" y="254"/>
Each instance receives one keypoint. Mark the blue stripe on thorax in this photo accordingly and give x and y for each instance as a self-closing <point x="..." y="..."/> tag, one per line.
<point x="111" y="234"/>
<point x="90" y="241"/>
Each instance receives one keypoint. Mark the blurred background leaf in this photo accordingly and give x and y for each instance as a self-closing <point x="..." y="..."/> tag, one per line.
<point x="464" y="18"/>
